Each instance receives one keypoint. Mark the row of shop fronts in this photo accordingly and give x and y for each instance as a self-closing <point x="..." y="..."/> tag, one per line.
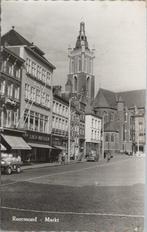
<point x="37" y="147"/>
<point x="32" y="146"/>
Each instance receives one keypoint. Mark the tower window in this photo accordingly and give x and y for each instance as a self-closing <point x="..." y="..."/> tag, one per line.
<point x="80" y="65"/>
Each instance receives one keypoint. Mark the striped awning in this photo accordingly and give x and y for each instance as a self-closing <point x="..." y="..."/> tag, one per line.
<point x="16" y="142"/>
<point x="40" y="145"/>
<point x="60" y="147"/>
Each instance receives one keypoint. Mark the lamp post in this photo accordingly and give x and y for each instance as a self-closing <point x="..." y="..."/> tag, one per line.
<point x="103" y="140"/>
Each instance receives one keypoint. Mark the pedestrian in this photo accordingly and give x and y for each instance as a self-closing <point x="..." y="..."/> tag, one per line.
<point x="63" y="158"/>
<point x="108" y="156"/>
<point x="60" y="158"/>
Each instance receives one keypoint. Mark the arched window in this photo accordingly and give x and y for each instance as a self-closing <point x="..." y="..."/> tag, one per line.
<point x="75" y="83"/>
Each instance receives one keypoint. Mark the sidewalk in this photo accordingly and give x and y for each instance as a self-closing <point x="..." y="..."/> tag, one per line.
<point x="41" y="165"/>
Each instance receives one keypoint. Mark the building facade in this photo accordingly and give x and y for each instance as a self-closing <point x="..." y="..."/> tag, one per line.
<point x="36" y="95"/>
<point x="93" y="127"/>
<point x="10" y="102"/>
<point x="59" y="138"/>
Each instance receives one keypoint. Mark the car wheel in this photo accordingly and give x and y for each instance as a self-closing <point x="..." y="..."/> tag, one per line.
<point x="18" y="169"/>
<point x="8" y="171"/>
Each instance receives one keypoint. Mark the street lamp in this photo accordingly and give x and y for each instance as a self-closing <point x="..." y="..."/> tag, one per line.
<point x="103" y="140"/>
<point x="69" y="122"/>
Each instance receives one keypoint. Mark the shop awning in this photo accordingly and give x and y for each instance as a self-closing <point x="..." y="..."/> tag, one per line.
<point x="16" y="142"/>
<point x="60" y="147"/>
<point x="2" y="147"/>
<point x="40" y="145"/>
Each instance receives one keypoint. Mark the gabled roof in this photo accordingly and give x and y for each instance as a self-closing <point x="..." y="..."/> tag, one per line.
<point x="133" y="98"/>
<point x="13" y="38"/>
<point x="105" y="98"/>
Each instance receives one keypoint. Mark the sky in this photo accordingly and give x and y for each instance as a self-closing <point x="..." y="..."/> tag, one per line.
<point x="116" y="29"/>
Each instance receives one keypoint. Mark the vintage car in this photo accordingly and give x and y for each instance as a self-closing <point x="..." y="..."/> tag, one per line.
<point x="91" y="156"/>
<point x="10" y="164"/>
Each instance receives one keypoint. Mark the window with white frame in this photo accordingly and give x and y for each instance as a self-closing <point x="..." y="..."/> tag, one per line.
<point x="47" y="100"/>
<point x="60" y="123"/>
<point x="56" y="125"/>
<point x="63" y="110"/>
<point x="41" y="123"/>
<point x="46" y="124"/>
<point x="10" y="69"/>
<point x="28" y="65"/>
<point x="43" y="75"/>
<point x="2" y="87"/>
<point x="54" y="106"/>
<point x="10" y="90"/>
<point x="16" y="117"/>
<point x="38" y="96"/>
<point x="43" y="98"/>
<point x="53" y="124"/>
<point x="57" y="111"/>
<point x="48" y="79"/>
<point x="16" y="93"/>
<point x="34" y="69"/>
<point x="9" y="118"/>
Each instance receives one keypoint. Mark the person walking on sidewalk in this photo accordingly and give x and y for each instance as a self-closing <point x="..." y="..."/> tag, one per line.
<point x="108" y="156"/>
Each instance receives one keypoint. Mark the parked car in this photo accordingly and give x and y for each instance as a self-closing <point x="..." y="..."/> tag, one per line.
<point x="92" y="156"/>
<point x="10" y="164"/>
<point x="140" y="154"/>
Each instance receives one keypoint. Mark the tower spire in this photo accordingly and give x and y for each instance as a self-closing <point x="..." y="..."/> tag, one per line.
<point x="82" y="30"/>
<point x="82" y="37"/>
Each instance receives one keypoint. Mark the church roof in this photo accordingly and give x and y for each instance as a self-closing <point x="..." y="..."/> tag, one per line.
<point x="105" y="98"/>
<point x="111" y="127"/>
<point x="134" y="97"/>
<point x="109" y="99"/>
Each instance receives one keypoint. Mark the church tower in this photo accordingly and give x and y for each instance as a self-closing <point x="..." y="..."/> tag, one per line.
<point x="80" y="77"/>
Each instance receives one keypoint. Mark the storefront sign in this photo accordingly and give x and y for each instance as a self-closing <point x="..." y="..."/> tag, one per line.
<point x="37" y="137"/>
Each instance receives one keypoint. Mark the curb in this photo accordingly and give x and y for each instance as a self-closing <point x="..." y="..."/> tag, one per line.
<point x="72" y="162"/>
<point x="49" y="165"/>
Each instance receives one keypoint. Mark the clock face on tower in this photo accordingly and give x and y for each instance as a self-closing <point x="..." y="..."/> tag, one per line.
<point x="80" y="77"/>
